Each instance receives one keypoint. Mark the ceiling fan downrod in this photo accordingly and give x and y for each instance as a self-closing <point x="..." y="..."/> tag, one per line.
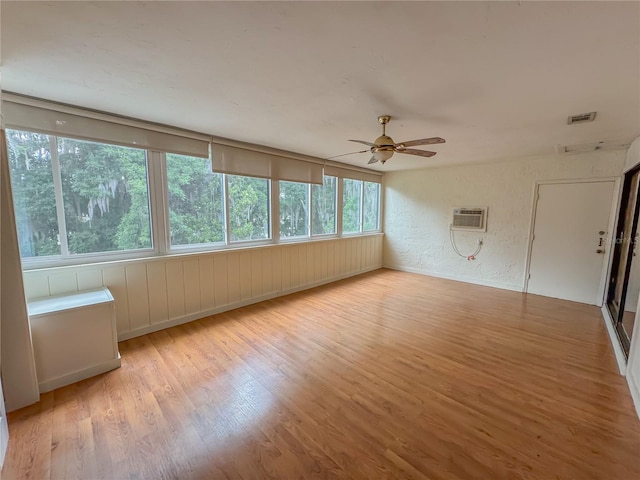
<point x="384" y="119"/>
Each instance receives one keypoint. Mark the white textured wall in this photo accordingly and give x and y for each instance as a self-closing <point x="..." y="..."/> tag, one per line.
<point x="633" y="155"/>
<point x="419" y="204"/>
<point x="152" y="294"/>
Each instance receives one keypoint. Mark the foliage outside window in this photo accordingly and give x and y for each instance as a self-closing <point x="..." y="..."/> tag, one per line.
<point x="360" y="206"/>
<point x="33" y="193"/>
<point x="248" y="208"/>
<point x="74" y="197"/>
<point x="371" y="209"/>
<point x="351" y="205"/>
<point x="323" y="207"/>
<point x="294" y="209"/>
<point x="77" y="197"/>
<point x="196" y="201"/>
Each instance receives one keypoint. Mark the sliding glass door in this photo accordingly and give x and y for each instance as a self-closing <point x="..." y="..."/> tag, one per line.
<point x="624" y="281"/>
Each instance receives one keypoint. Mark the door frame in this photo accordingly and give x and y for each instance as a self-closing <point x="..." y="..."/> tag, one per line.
<point x="615" y="199"/>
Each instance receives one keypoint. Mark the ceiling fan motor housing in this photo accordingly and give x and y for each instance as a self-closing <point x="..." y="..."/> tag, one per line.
<point x="384" y="141"/>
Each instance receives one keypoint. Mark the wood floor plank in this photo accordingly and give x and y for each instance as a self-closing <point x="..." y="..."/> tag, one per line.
<point x="384" y="375"/>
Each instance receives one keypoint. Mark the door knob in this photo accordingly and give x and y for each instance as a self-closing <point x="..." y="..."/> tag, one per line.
<point x="599" y="250"/>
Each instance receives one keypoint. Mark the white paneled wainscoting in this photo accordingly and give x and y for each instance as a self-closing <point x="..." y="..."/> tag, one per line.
<point x="155" y="293"/>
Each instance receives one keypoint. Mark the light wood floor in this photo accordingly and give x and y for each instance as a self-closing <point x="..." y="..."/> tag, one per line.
<point x="387" y="375"/>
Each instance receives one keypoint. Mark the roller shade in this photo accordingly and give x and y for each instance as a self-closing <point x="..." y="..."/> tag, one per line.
<point x="64" y="121"/>
<point x="334" y="170"/>
<point x="251" y="163"/>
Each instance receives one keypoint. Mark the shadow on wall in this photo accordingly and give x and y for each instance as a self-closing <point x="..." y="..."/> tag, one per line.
<point x="419" y="206"/>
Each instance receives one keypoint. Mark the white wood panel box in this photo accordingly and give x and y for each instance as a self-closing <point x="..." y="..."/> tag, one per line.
<point x="74" y="337"/>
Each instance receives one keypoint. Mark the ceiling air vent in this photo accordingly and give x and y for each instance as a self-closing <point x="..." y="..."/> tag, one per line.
<point x="582" y="118"/>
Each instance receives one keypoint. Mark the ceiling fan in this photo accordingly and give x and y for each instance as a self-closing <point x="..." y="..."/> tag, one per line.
<point x="384" y="147"/>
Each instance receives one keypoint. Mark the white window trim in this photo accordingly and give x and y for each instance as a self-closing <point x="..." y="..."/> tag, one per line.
<point x="227" y="223"/>
<point x="157" y="184"/>
<point x="379" y="220"/>
<point x="56" y="174"/>
<point x="159" y="201"/>
<point x="360" y="222"/>
<point x="34" y="263"/>
<point x="66" y="257"/>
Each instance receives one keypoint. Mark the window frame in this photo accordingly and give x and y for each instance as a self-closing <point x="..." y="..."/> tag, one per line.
<point x="361" y="209"/>
<point x="158" y="201"/>
<point x="335" y="213"/>
<point x="270" y="209"/>
<point x="379" y="208"/>
<point x="166" y="213"/>
<point x="66" y="257"/>
<point x="295" y="238"/>
<point x="361" y="230"/>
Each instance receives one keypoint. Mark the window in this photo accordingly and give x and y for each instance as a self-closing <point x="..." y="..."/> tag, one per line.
<point x="33" y="193"/>
<point x="105" y="195"/>
<point x="294" y="209"/>
<point x="351" y="205"/>
<point x="323" y="207"/>
<point x="196" y="201"/>
<point x="248" y="208"/>
<point x="371" y="206"/>
<point x="361" y="206"/>
<point x="75" y="197"/>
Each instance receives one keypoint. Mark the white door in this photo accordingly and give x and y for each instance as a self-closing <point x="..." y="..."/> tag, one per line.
<point x="569" y="240"/>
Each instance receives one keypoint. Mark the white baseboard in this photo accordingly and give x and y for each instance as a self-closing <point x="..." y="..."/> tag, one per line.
<point x="485" y="283"/>
<point x="621" y="359"/>
<point x="78" y="375"/>
<point x="634" y="388"/>
<point x="232" y="306"/>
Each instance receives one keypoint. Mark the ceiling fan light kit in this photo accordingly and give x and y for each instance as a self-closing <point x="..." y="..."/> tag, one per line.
<point x="383" y="148"/>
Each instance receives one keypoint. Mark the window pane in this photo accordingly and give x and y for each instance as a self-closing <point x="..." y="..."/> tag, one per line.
<point x="323" y="208"/>
<point x="371" y="206"/>
<point x="351" y="201"/>
<point x="248" y="208"/>
<point x="33" y="193"/>
<point x="294" y="209"/>
<point x="196" y="201"/>
<point x="106" y="196"/>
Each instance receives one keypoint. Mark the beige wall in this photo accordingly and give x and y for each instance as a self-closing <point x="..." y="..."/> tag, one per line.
<point x="18" y="368"/>
<point x="419" y="204"/>
<point x="153" y="294"/>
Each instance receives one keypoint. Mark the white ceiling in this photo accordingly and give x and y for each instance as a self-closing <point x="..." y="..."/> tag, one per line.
<point x="496" y="79"/>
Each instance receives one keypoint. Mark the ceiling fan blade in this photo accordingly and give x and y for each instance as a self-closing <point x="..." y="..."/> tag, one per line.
<point x="344" y="154"/>
<point x="364" y="143"/>
<point x="422" y="141"/>
<point x="415" y="151"/>
<point x="373" y="160"/>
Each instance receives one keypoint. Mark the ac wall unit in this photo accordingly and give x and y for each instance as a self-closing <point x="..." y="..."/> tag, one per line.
<point x="470" y="219"/>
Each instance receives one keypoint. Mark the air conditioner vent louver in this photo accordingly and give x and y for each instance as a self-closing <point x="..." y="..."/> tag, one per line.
<point x="473" y="219"/>
<point x="582" y="118"/>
